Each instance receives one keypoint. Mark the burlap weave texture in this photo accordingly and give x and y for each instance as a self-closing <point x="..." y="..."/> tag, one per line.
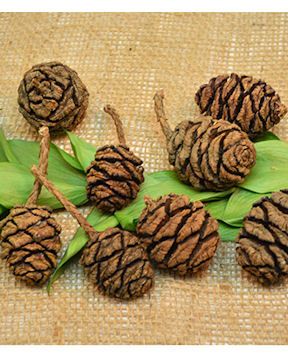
<point x="123" y="59"/>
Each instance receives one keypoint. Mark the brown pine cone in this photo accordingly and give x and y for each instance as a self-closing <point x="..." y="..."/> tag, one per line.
<point x="251" y="104"/>
<point x="51" y="94"/>
<point x="263" y="241"/>
<point x="180" y="235"/>
<point x="30" y="243"/>
<point x="117" y="264"/>
<point x="114" y="178"/>
<point x="209" y="154"/>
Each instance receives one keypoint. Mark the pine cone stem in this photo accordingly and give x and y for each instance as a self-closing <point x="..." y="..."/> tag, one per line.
<point x="69" y="206"/>
<point x="118" y="123"/>
<point x="160" y="113"/>
<point x="42" y="164"/>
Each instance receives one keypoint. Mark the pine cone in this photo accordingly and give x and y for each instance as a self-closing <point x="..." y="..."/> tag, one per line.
<point x="180" y="235"/>
<point x="251" y="104"/>
<point x="114" y="178"/>
<point x="30" y="243"/>
<point x="263" y="241"/>
<point x="117" y="263"/>
<point x="51" y="94"/>
<point x="211" y="154"/>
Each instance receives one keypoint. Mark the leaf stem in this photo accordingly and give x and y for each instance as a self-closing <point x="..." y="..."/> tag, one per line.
<point x="69" y="206"/>
<point x="160" y="113"/>
<point x="42" y="164"/>
<point x="118" y="123"/>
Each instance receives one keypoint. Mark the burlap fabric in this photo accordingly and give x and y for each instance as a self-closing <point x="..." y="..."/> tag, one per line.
<point x="123" y="59"/>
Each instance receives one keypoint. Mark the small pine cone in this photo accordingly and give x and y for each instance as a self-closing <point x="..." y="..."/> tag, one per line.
<point x="114" y="178"/>
<point x="251" y="104"/>
<point x="209" y="154"/>
<point x="180" y="235"/>
<point x="51" y="94"/>
<point x="30" y="243"/>
<point x="262" y="248"/>
<point x="117" y="264"/>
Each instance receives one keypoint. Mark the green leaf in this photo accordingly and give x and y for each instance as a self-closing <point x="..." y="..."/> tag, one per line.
<point x="76" y="194"/>
<point x="83" y="151"/>
<point x="271" y="170"/>
<point x="267" y="136"/>
<point x="72" y="161"/>
<point x="239" y="204"/>
<point x="2" y="210"/>
<point x="58" y="169"/>
<point x="157" y="184"/>
<point x="100" y="222"/>
<point x="17" y="183"/>
<point x="217" y="208"/>
<point x="228" y="233"/>
<point x="6" y="152"/>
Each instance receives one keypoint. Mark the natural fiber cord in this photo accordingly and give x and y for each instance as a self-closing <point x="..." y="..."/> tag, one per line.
<point x="123" y="59"/>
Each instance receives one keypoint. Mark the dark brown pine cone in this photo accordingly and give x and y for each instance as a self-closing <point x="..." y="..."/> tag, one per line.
<point x="263" y="241"/>
<point x="251" y="104"/>
<point x="117" y="264"/>
<point x="180" y="235"/>
<point x="30" y="243"/>
<point x="114" y="178"/>
<point x="209" y="154"/>
<point x="51" y="94"/>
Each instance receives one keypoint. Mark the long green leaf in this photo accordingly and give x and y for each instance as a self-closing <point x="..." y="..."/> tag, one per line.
<point x="267" y="136"/>
<point x="271" y="170"/>
<point x="100" y="222"/>
<point x="72" y="161"/>
<point x="6" y="151"/>
<point x="158" y="184"/>
<point x="228" y="233"/>
<point x="217" y="208"/>
<point x="17" y="183"/>
<point x="58" y="169"/>
<point x="83" y="151"/>
<point x="239" y="204"/>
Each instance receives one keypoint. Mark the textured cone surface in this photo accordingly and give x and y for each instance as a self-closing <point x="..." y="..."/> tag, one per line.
<point x="210" y="154"/>
<point x="263" y="241"/>
<point x="51" y="94"/>
<point x="180" y="235"/>
<point x="117" y="264"/>
<point x="252" y="104"/>
<point x="30" y="243"/>
<point x="114" y="178"/>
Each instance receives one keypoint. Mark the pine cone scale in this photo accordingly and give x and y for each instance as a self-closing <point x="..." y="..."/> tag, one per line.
<point x="114" y="178"/>
<point x="209" y="161"/>
<point x="175" y="231"/>
<point x="30" y="243"/>
<point x="263" y="242"/>
<point x="251" y="104"/>
<point x="117" y="263"/>
<point x="52" y="95"/>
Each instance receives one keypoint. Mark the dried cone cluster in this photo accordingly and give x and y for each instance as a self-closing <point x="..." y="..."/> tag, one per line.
<point x="263" y="241"/>
<point x="208" y="154"/>
<point x="251" y="104"/>
<point x="51" y="94"/>
<point x="30" y="243"/>
<point x="115" y="176"/>
<point x="179" y="235"/>
<point x="30" y="239"/>
<point x="116" y="262"/>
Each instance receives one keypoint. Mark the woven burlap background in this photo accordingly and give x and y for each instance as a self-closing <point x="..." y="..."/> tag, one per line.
<point x="123" y="59"/>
